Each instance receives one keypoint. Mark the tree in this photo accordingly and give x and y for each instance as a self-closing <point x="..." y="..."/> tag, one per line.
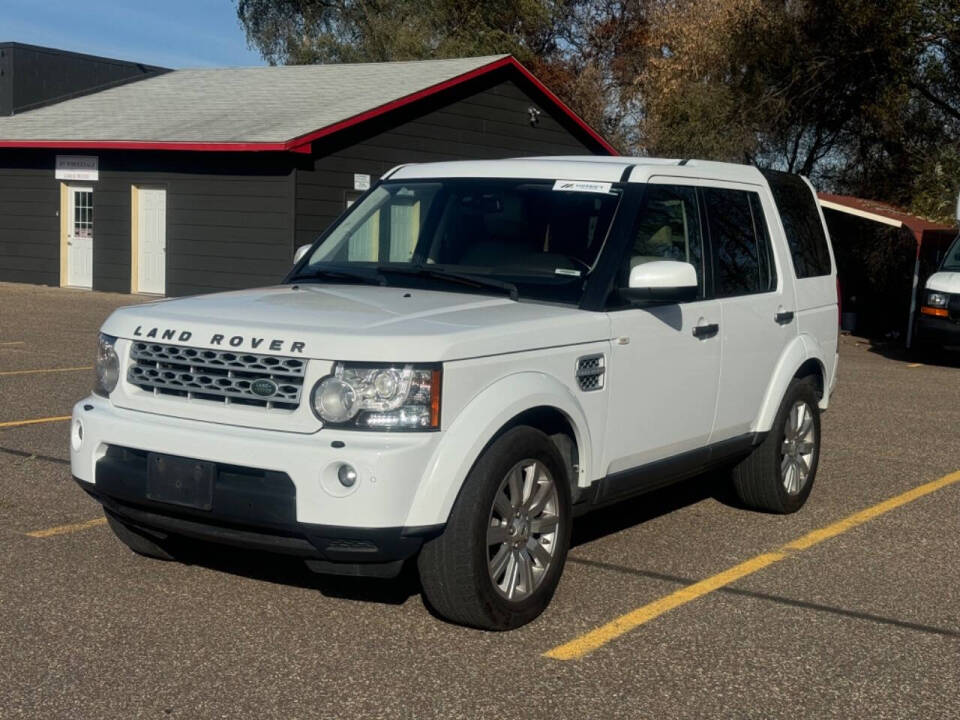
<point x="311" y="31"/>
<point x="863" y="96"/>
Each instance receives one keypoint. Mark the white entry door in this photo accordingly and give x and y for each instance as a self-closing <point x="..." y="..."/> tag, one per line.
<point x="80" y="236"/>
<point x="152" y="240"/>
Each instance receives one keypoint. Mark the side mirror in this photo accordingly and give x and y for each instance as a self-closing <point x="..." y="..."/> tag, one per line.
<point x="662" y="281"/>
<point x="301" y="251"/>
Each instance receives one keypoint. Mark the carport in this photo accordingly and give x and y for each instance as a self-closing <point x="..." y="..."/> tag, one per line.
<point x="884" y="256"/>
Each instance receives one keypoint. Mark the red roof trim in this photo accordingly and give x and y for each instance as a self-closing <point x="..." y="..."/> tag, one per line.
<point x="142" y="145"/>
<point x="301" y="144"/>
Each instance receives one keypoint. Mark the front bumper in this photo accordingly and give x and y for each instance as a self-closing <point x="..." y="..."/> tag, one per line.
<point x="378" y="552"/>
<point x="389" y="466"/>
<point x="938" y="330"/>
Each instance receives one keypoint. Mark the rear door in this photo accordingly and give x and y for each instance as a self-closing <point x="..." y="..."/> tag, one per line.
<point x="811" y="258"/>
<point x="757" y="301"/>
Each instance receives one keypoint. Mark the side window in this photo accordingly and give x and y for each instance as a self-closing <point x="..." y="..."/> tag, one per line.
<point x="801" y="223"/>
<point x="742" y="256"/>
<point x="667" y="228"/>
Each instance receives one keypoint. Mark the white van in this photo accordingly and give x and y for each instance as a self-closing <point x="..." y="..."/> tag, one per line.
<point x="939" y="320"/>
<point x="472" y="355"/>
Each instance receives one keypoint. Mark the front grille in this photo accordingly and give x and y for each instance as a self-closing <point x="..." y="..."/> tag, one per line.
<point x="218" y="376"/>
<point x="590" y="371"/>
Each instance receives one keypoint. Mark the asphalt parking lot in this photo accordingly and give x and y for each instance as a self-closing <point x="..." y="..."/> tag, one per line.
<point x="678" y="604"/>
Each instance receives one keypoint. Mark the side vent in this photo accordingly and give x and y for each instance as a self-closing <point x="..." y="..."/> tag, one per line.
<point x="590" y="370"/>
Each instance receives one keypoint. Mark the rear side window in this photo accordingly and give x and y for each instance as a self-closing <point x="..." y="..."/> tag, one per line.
<point x="801" y="222"/>
<point x="742" y="257"/>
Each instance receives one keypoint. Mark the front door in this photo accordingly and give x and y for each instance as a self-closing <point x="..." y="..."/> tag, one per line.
<point x="151" y="240"/>
<point x="80" y="236"/>
<point x="665" y="360"/>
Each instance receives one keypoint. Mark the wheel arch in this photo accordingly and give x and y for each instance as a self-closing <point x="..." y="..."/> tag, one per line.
<point x="537" y="400"/>
<point x="803" y="357"/>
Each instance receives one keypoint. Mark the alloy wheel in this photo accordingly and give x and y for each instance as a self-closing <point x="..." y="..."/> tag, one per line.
<point x="522" y="530"/>
<point x="799" y="446"/>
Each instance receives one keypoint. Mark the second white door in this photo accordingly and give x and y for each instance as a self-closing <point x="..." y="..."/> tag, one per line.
<point x="152" y="240"/>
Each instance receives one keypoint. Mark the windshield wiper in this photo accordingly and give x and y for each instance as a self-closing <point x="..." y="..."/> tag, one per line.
<point x="462" y="278"/>
<point x="366" y="276"/>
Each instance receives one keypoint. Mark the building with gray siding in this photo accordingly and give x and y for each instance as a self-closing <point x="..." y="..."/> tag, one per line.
<point x="188" y="181"/>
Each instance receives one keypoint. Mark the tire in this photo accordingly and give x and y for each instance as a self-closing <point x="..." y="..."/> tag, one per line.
<point x="770" y="479"/>
<point x="470" y="582"/>
<point x="137" y="540"/>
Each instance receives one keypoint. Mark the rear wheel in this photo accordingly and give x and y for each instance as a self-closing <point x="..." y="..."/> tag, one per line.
<point x="137" y="540"/>
<point x="778" y="475"/>
<point x="499" y="560"/>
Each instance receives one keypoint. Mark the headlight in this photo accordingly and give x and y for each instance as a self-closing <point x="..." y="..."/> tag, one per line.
<point x="107" y="366"/>
<point x="379" y="397"/>
<point x="937" y="299"/>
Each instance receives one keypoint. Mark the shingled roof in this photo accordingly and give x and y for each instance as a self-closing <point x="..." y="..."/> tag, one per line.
<point x="256" y="108"/>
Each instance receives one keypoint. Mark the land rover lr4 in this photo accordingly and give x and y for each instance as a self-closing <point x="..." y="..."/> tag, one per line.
<point x="469" y="357"/>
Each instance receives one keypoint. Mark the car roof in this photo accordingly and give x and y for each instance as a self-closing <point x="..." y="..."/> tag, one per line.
<point x="579" y="167"/>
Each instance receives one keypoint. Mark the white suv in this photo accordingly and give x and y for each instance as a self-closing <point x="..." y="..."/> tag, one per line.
<point x="472" y="355"/>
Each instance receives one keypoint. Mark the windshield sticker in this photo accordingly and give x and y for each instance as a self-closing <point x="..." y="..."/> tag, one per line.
<point x="582" y="186"/>
<point x="565" y="271"/>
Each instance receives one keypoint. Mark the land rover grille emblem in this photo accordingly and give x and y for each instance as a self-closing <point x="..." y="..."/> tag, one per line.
<point x="264" y="388"/>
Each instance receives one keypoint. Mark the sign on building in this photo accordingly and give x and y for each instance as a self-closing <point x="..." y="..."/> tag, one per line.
<point x="77" y="167"/>
<point x="361" y="181"/>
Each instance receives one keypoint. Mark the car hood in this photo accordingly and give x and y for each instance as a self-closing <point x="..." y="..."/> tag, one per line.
<point x="358" y="322"/>
<point x="948" y="282"/>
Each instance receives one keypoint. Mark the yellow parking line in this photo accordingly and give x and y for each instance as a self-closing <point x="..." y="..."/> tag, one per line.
<point x="595" y="639"/>
<point x="36" y="421"/>
<point x="915" y="365"/>
<point x="64" y="529"/>
<point x="13" y="342"/>
<point x="49" y="370"/>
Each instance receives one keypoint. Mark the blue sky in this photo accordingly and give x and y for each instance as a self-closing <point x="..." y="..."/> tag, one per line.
<point x="172" y="33"/>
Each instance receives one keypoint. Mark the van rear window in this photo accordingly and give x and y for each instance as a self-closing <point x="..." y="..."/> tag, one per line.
<point x="801" y="222"/>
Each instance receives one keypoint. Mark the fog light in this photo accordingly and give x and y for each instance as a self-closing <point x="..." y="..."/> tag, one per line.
<point x="76" y="436"/>
<point x="347" y="475"/>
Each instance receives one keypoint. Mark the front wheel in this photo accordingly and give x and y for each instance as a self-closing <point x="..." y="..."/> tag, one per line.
<point x="778" y="475"/>
<point x="499" y="560"/>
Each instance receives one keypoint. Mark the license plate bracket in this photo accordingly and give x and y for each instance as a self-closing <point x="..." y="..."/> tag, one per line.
<point x="180" y="481"/>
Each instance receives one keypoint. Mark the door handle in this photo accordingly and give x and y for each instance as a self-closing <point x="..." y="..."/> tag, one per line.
<point x="706" y="331"/>
<point x="784" y="317"/>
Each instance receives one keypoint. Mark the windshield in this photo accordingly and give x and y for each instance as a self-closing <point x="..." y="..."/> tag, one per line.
<point x="952" y="260"/>
<point x="529" y="238"/>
